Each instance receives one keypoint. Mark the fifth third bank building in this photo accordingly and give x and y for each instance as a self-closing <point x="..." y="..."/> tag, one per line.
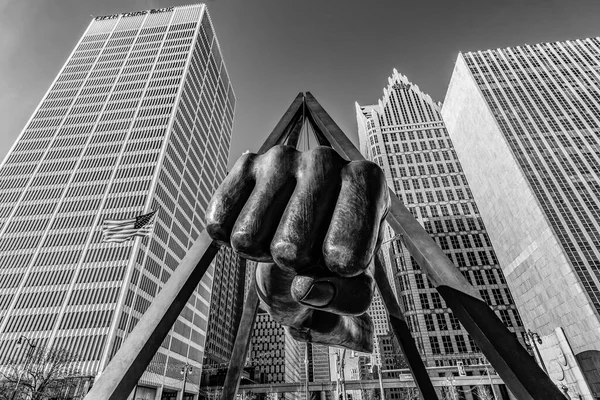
<point x="137" y="121"/>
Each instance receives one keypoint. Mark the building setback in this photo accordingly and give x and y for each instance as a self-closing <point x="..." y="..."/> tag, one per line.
<point x="525" y="122"/>
<point x="139" y="118"/>
<point x="405" y="135"/>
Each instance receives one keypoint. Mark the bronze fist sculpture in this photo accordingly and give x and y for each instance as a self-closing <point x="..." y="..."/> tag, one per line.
<point x="314" y="220"/>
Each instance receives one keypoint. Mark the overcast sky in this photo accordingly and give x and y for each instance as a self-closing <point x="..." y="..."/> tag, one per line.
<point x="340" y="50"/>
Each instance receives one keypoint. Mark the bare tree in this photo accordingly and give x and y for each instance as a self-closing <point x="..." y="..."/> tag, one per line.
<point x="484" y="393"/>
<point x="411" y="393"/>
<point x="45" y="373"/>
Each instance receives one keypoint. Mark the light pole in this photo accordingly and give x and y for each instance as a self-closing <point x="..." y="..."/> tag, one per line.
<point x="532" y="338"/>
<point x="31" y="347"/>
<point x="341" y="380"/>
<point x="379" y="366"/>
<point x="306" y="371"/>
<point x="185" y="370"/>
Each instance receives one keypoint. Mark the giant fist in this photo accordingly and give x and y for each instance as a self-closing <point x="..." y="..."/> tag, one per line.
<point x="313" y="220"/>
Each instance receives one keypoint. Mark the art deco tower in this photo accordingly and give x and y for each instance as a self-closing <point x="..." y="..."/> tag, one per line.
<point x="526" y="122"/>
<point x="405" y="135"/>
<point x="139" y="118"/>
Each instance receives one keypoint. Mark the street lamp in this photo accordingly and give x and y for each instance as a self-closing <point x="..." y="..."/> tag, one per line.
<point x="341" y="380"/>
<point x="532" y="338"/>
<point x="185" y="370"/>
<point x="31" y="347"/>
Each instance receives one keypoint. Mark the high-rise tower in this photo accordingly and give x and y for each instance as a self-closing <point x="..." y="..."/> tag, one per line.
<point x="405" y="135"/>
<point x="274" y="353"/>
<point x="139" y="118"/>
<point x="226" y="305"/>
<point x="526" y="122"/>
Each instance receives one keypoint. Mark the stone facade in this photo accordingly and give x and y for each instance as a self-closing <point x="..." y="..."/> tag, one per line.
<point x="504" y="174"/>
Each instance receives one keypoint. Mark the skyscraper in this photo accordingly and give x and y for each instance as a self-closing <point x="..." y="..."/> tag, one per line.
<point x="139" y="118"/>
<point x="226" y="305"/>
<point x="525" y="122"/>
<point x="277" y="355"/>
<point x="405" y="135"/>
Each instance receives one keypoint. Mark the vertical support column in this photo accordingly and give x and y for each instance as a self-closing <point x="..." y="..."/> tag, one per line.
<point x="242" y="344"/>
<point x="159" y="391"/>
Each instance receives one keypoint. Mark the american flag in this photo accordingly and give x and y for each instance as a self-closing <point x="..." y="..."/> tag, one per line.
<point x="120" y="230"/>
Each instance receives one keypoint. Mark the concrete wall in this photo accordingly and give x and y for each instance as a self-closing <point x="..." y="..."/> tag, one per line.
<point x="547" y="292"/>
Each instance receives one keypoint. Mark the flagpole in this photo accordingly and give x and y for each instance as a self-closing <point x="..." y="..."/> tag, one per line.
<point x="112" y="333"/>
<point x="136" y="245"/>
<point x="137" y="240"/>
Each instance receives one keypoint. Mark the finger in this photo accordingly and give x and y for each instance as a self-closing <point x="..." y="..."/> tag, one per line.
<point x="351" y="332"/>
<point x="339" y="295"/>
<point x="298" y="239"/>
<point x="229" y="198"/>
<point x="273" y="288"/>
<point x="257" y="222"/>
<point x="362" y="204"/>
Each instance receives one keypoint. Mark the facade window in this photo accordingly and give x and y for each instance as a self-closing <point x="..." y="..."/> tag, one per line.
<point x="429" y="322"/>
<point x="485" y="296"/>
<point x="424" y="301"/>
<point x="447" y="342"/>
<point x="461" y="345"/>
<point x="435" y="345"/>
<point x="441" y="321"/>
<point x="436" y="300"/>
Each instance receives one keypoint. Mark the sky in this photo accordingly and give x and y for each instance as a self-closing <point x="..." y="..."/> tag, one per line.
<point x="341" y="51"/>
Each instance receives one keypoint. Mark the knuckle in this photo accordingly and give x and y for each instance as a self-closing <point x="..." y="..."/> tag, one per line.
<point x="278" y="159"/>
<point x="370" y="178"/>
<point x="241" y="242"/>
<point x="341" y="259"/>
<point x="229" y="198"/>
<point x="321" y="158"/>
<point x="367" y="168"/>
<point x="286" y="254"/>
<point x="324" y="153"/>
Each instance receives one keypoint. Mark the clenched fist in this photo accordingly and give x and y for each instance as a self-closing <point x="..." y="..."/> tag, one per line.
<point x="313" y="219"/>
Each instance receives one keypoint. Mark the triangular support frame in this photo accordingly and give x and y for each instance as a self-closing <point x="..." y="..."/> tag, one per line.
<point x="516" y="367"/>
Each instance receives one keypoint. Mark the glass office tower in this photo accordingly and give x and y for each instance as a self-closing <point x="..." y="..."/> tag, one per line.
<point x="275" y="355"/>
<point x="525" y="121"/>
<point x="139" y="118"/>
<point x="226" y="306"/>
<point x="405" y="135"/>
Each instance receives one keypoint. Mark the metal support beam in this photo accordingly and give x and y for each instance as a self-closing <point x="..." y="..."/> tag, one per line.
<point x="518" y="370"/>
<point x="242" y="344"/>
<point x="284" y="126"/>
<point x="516" y="367"/>
<point x="127" y="366"/>
<point x="400" y="328"/>
<point x="295" y="128"/>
